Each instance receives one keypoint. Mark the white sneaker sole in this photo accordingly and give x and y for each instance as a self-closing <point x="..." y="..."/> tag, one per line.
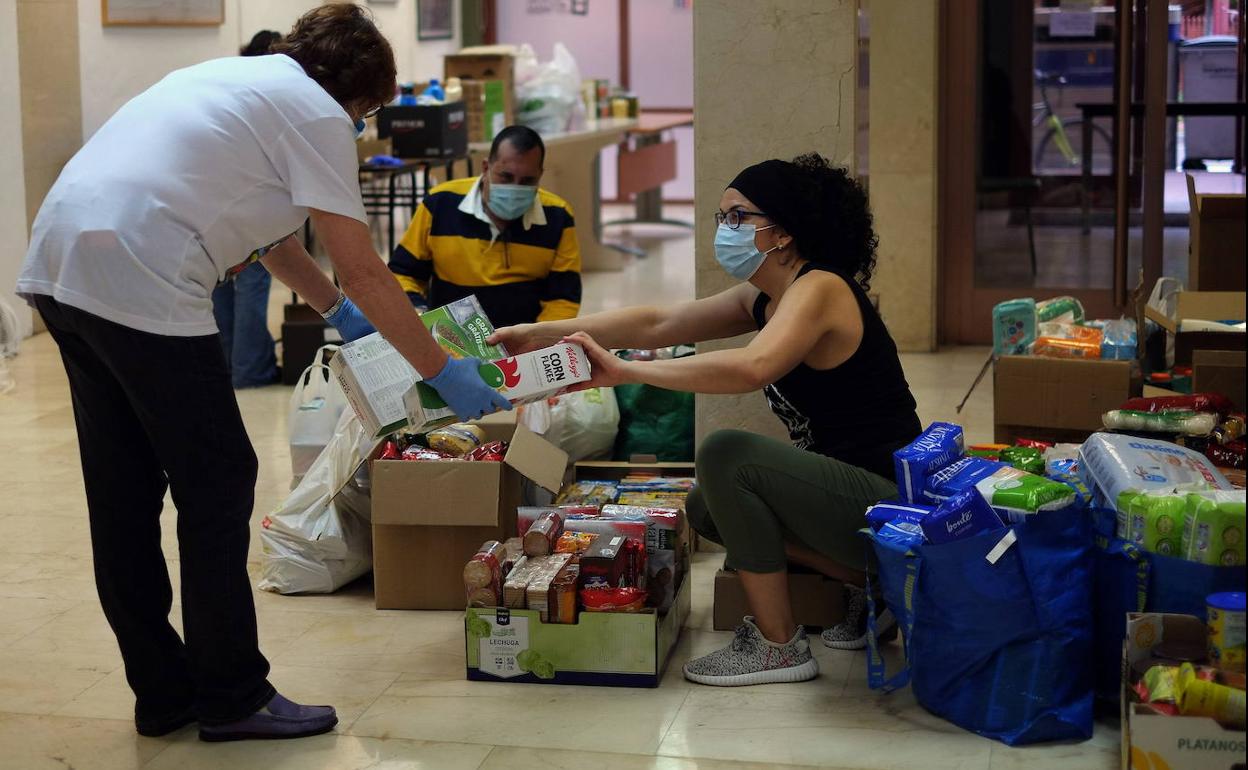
<point x="861" y="642"/>
<point x="807" y="670"/>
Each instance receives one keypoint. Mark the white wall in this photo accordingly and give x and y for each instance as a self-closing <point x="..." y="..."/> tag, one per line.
<point x="119" y="62"/>
<point x="12" y="175"/>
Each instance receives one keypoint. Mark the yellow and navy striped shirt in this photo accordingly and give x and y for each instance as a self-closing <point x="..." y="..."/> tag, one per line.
<point x="523" y="275"/>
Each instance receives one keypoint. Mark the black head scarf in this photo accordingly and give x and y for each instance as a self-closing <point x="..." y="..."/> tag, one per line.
<point x="783" y="192"/>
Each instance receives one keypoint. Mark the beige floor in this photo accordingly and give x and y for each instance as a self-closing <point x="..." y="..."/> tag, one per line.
<point x="397" y="677"/>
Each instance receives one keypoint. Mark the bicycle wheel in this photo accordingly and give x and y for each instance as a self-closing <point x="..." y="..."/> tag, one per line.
<point x="1050" y="159"/>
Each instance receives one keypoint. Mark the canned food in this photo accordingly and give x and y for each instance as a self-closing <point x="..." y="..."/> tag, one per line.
<point x="1226" y="630"/>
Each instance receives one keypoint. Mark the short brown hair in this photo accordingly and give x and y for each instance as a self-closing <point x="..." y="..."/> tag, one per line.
<point x="340" y="47"/>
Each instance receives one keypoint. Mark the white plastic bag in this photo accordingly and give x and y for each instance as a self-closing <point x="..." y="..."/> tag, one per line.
<point x="584" y="424"/>
<point x="548" y="95"/>
<point x="319" y="538"/>
<point x="10" y="337"/>
<point x="1165" y="300"/>
<point x="315" y="406"/>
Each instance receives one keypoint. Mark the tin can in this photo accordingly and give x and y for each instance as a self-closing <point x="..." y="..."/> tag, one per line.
<point x="1226" y="630"/>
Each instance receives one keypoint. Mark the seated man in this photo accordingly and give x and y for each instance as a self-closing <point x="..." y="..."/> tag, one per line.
<point x="498" y="236"/>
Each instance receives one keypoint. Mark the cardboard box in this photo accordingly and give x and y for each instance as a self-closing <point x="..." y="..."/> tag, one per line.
<point x="486" y="63"/>
<point x="1057" y="398"/>
<point x="486" y="105"/>
<point x="610" y="470"/>
<point x="1153" y="741"/>
<point x="1202" y="306"/>
<point x="817" y="600"/>
<point x="522" y="379"/>
<point x="1219" y="371"/>
<point x="429" y="518"/>
<point x="375" y="377"/>
<point x="619" y="649"/>
<point x="1216" y="225"/>
<point x="425" y="131"/>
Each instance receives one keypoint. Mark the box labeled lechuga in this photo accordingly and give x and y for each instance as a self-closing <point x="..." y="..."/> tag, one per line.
<point x="522" y="379"/>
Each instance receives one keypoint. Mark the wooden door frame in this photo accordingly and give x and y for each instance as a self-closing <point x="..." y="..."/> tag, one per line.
<point x="963" y="316"/>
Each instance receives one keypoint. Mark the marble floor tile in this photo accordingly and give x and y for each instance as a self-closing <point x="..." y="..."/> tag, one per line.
<point x="30" y="742"/>
<point x="23" y="615"/>
<point x="41" y="683"/>
<point x="750" y="725"/>
<point x="331" y="752"/>
<point x="512" y="758"/>
<point x="535" y="716"/>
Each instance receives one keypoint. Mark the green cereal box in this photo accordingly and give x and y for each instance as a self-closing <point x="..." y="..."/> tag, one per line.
<point x="1157" y="522"/>
<point x="1213" y="528"/>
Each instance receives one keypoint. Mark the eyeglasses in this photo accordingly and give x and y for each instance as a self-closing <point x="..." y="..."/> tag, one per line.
<point x="733" y="218"/>
<point x="372" y="112"/>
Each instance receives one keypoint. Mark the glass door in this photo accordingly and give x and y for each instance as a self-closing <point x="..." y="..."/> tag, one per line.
<point x="1033" y="204"/>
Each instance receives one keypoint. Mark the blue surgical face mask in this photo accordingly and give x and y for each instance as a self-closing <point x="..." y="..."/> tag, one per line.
<point x="359" y="128"/>
<point x="510" y="201"/>
<point x="736" y="253"/>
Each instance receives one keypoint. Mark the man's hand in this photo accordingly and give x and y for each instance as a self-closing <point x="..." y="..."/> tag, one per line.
<point x="461" y="387"/>
<point x="349" y="321"/>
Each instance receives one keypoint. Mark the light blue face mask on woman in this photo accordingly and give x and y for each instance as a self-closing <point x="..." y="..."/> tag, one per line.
<point x="736" y="253"/>
<point x="510" y="201"/>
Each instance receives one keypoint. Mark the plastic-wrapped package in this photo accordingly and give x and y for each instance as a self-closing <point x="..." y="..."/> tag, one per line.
<point x="1013" y="326"/>
<point x="666" y="553"/>
<point x="540" y="539"/>
<point x="882" y="513"/>
<point x="1066" y="309"/>
<point x="456" y="440"/>
<point x="1214" y="529"/>
<point x="937" y="446"/>
<point x="1111" y="464"/>
<point x="1025" y="458"/>
<point x="483" y="576"/>
<point x="1187" y="423"/>
<point x="966" y="514"/>
<point x="1195" y="402"/>
<point x="1060" y="347"/>
<point x="1119" y="341"/>
<point x="1014" y="493"/>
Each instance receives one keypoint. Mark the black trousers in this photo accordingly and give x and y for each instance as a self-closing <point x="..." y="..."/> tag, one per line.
<point x="156" y="413"/>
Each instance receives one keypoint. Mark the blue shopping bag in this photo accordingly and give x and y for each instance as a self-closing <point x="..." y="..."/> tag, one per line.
<point x="1001" y="647"/>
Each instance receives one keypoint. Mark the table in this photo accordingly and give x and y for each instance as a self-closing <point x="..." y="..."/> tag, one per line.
<point x="385" y="200"/>
<point x="572" y="173"/>
<point x="650" y="163"/>
<point x="1105" y="109"/>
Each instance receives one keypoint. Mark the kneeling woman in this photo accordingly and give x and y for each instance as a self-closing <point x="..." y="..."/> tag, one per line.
<point x="798" y="235"/>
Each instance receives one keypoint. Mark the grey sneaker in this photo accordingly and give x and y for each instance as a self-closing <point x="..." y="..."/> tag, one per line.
<point x="851" y="633"/>
<point x="753" y="659"/>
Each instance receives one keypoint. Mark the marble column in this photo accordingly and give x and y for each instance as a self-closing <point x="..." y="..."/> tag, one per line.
<point x="902" y="144"/>
<point x="772" y="79"/>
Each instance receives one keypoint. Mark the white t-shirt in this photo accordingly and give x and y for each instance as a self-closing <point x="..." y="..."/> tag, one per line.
<point x="186" y="181"/>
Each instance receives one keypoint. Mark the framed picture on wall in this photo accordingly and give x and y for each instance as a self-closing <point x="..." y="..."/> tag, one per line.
<point x="162" y="13"/>
<point x="435" y="20"/>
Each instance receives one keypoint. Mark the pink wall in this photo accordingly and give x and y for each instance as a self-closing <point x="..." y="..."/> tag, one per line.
<point x="660" y="57"/>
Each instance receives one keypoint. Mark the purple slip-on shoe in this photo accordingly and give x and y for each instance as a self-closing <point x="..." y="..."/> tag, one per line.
<point x="281" y="718"/>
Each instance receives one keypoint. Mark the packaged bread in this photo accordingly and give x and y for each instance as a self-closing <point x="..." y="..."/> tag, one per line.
<point x="538" y="593"/>
<point x="515" y="585"/>
<point x="456" y="440"/>
<point x="541" y="538"/>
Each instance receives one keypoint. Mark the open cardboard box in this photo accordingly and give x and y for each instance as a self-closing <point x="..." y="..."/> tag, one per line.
<point x="1057" y="399"/>
<point x="429" y="518"/>
<point x="1216" y="249"/>
<point x="817" y="600"/>
<point x="620" y="649"/>
<point x="1202" y="306"/>
<point x="1154" y="741"/>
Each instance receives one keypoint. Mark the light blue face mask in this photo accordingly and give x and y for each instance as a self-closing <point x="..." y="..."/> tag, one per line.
<point x="359" y="128"/>
<point x="736" y="253"/>
<point x="510" y="201"/>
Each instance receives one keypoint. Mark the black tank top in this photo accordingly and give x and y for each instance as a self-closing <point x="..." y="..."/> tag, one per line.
<point x="859" y="412"/>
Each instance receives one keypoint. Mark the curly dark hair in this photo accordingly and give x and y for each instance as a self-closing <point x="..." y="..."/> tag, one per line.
<point x="340" y="47"/>
<point x="835" y="223"/>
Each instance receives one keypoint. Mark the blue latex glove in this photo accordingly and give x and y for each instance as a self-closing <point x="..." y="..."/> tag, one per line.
<point x="461" y="387"/>
<point x="350" y="322"/>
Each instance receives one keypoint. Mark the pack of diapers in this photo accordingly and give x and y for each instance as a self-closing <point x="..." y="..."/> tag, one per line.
<point x="882" y="513"/>
<point x="936" y="447"/>
<point x="966" y="514"/>
<point x="1014" y="493"/>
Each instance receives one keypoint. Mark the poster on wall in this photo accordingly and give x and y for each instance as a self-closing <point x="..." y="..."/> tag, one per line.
<point x="163" y="13"/>
<point x="434" y="20"/>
